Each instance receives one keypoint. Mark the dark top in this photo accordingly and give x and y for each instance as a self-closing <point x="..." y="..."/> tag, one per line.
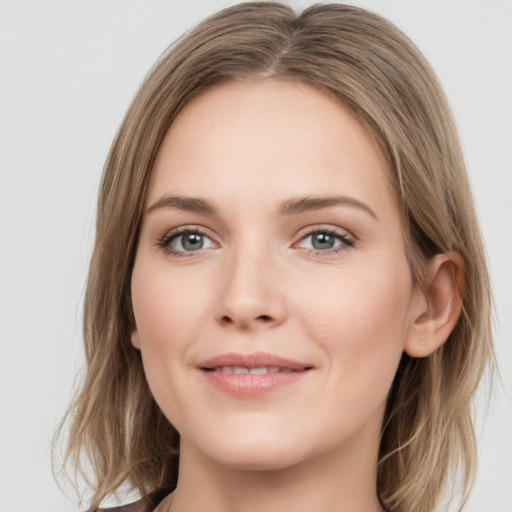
<point x="143" y="505"/>
<point x="139" y="506"/>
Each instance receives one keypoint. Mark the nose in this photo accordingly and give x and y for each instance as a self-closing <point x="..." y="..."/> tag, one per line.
<point x="251" y="293"/>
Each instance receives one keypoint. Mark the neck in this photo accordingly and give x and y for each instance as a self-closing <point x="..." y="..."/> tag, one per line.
<point x="331" y="482"/>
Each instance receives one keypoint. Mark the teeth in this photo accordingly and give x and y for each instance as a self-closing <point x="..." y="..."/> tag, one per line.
<point x="258" y="370"/>
<point x="253" y="371"/>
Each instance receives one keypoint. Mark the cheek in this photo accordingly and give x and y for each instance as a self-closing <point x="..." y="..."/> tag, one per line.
<point x="167" y="316"/>
<point x="359" y="318"/>
<point x="167" y="310"/>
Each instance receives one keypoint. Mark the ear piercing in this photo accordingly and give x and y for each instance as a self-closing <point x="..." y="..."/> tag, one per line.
<point x="422" y="341"/>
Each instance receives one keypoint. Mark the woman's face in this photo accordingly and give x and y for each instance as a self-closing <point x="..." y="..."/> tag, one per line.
<point x="271" y="289"/>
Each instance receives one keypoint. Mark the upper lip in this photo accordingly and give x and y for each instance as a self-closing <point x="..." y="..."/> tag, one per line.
<point x="253" y="360"/>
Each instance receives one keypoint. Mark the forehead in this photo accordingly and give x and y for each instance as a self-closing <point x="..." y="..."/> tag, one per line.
<point x="268" y="139"/>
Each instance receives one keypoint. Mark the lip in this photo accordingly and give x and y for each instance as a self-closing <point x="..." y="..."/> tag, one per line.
<point x="285" y="372"/>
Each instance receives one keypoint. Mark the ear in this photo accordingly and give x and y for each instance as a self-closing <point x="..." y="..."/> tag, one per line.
<point x="435" y="311"/>
<point x="135" y="338"/>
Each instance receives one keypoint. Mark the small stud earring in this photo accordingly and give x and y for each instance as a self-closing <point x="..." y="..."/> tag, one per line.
<point x="422" y="341"/>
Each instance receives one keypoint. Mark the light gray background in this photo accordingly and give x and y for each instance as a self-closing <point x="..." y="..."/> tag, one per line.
<point x="68" y="70"/>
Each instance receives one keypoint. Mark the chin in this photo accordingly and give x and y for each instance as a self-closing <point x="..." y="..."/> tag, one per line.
<point x="253" y="451"/>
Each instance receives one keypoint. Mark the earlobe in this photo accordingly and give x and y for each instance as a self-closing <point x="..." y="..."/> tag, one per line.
<point x="437" y="310"/>
<point x="135" y="338"/>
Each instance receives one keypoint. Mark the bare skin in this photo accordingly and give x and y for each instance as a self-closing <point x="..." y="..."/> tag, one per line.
<point x="235" y="257"/>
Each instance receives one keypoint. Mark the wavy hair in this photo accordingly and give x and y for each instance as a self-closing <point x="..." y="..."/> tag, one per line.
<point x="373" y="69"/>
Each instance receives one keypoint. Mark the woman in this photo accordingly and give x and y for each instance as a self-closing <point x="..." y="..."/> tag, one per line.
<point x="288" y="302"/>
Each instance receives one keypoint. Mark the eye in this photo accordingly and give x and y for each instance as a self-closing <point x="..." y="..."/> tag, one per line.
<point x="181" y="241"/>
<point x="325" y="241"/>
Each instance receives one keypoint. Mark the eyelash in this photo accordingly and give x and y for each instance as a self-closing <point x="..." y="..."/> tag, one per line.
<point x="346" y="242"/>
<point x="164" y="242"/>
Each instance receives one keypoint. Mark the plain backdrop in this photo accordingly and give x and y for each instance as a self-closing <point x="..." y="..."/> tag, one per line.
<point x="68" y="70"/>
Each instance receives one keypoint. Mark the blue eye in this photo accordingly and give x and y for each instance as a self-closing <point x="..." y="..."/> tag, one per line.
<point x="322" y="241"/>
<point x="180" y="242"/>
<point x="325" y="241"/>
<point x="189" y="241"/>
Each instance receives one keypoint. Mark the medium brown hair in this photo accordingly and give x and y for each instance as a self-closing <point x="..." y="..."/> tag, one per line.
<point x="373" y="69"/>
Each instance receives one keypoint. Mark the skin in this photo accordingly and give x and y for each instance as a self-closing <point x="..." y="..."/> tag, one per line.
<point x="257" y="284"/>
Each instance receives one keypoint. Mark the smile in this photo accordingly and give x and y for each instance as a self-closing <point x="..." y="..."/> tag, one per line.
<point x="250" y="375"/>
<point x="252" y="371"/>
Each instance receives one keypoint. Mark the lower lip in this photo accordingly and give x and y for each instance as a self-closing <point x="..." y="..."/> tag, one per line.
<point x="249" y="385"/>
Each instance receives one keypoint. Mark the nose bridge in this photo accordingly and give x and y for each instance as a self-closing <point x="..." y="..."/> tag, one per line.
<point x="250" y="292"/>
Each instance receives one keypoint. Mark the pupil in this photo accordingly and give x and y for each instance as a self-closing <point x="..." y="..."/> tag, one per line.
<point x="192" y="242"/>
<point x="323" y="241"/>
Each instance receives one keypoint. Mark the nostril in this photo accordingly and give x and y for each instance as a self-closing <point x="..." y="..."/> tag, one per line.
<point x="228" y="320"/>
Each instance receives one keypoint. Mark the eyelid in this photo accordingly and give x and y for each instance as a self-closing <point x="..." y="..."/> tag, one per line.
<point x="326" y="228"/>
<point x="347" y="239"/>
<point x="164" y="242"/>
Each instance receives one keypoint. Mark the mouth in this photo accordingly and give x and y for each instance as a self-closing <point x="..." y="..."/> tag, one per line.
<point x="250" y="375"/>
<point x="242" y="370"/>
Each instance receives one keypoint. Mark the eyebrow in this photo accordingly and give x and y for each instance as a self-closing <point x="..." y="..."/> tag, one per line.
<point x="291" y="206"/>
<point x="303" y="204"/>
<point x="187" y="204"/>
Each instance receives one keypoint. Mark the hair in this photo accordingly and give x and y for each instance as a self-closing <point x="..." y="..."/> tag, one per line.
<point x="374" y="70"/>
